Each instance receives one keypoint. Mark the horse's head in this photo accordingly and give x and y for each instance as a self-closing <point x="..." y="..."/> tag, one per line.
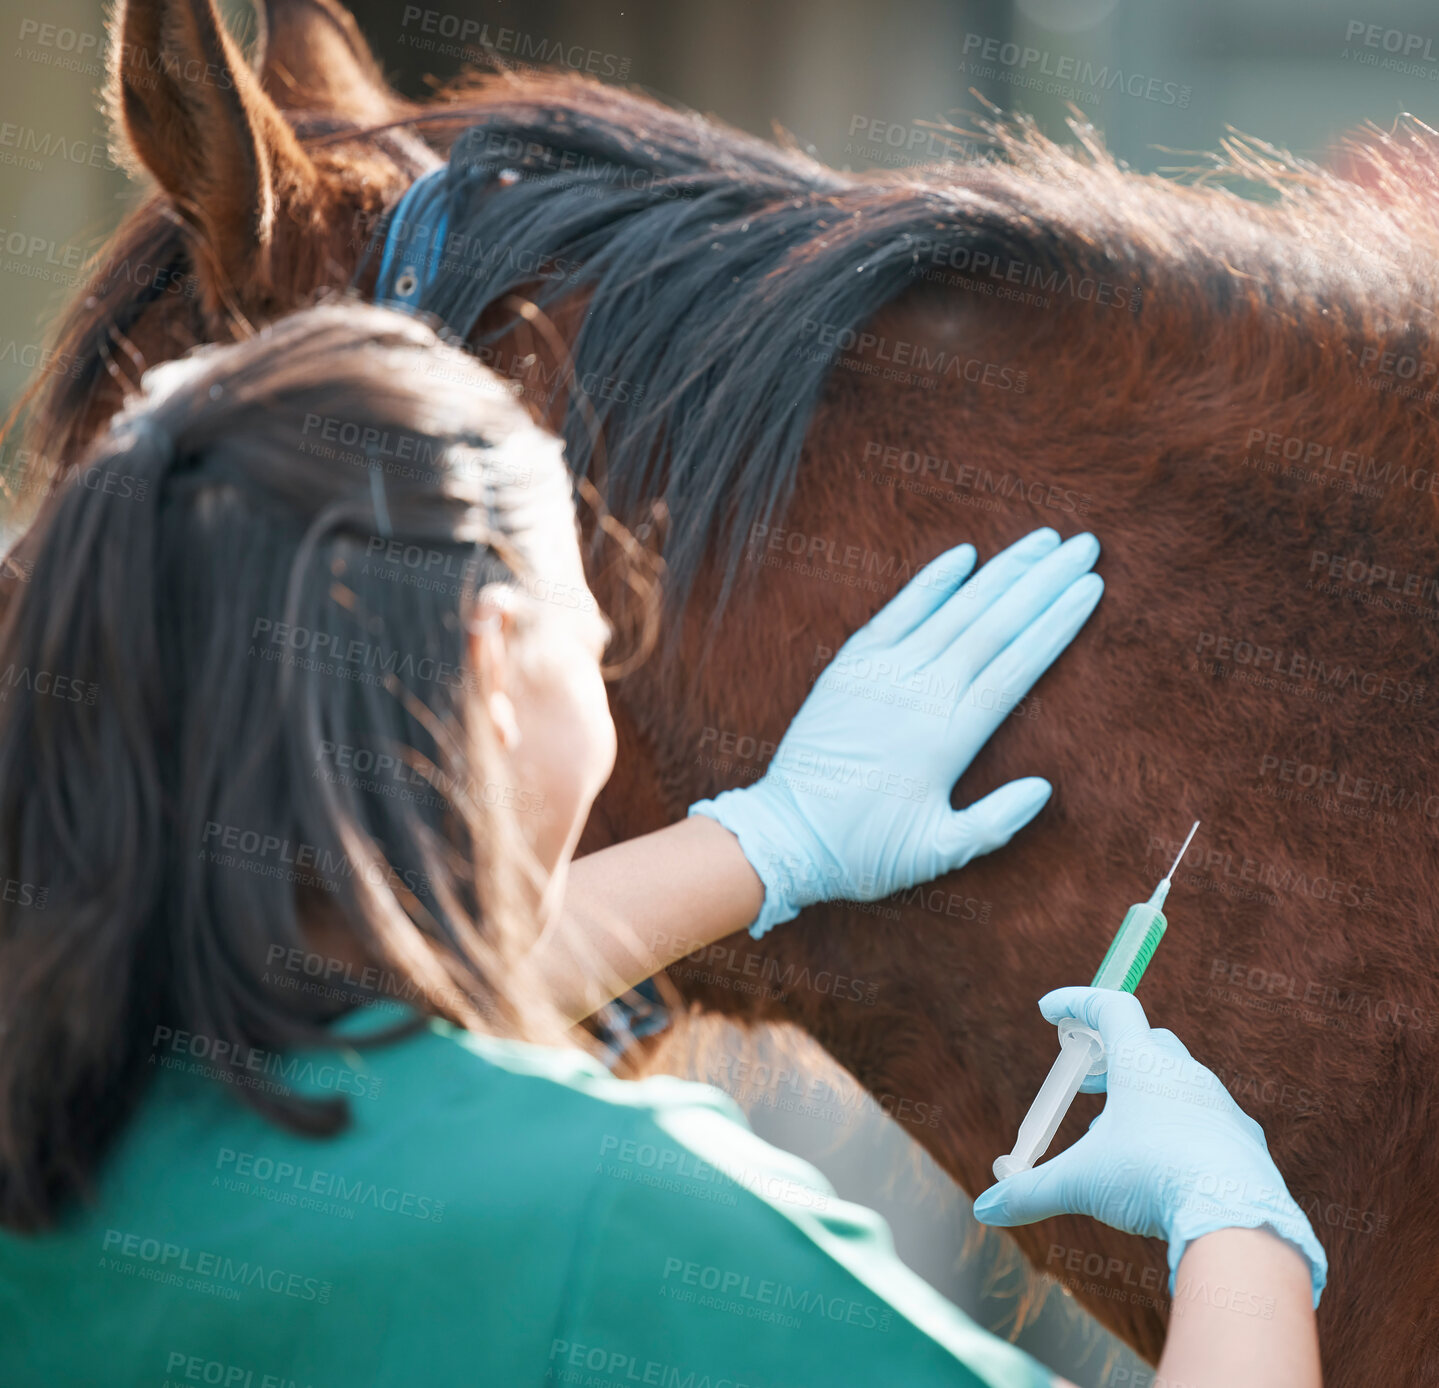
<point x="268" y="180"/>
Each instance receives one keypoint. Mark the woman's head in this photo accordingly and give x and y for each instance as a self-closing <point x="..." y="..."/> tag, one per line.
<point x="304" y="684"/>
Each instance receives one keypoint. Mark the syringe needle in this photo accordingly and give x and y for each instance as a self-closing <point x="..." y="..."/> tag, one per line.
<point x="1193" y="829"/>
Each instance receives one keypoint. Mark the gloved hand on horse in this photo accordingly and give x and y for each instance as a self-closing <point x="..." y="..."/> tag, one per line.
<point x="855" y="803"/>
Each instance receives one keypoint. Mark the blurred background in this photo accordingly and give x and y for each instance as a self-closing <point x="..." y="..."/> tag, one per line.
<point x="860" y="83"/>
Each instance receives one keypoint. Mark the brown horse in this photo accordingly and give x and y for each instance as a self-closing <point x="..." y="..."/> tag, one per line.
<point x="828" y="378"/>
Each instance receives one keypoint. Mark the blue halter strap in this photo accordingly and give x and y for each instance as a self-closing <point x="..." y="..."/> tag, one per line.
<point x="414" y="242"/>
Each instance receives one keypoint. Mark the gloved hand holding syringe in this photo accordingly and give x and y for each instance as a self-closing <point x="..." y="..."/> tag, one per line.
<point x="1081" y="1049"/>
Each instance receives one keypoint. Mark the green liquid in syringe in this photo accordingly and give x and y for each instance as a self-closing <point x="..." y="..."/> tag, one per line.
<point x="1137" y="938"/>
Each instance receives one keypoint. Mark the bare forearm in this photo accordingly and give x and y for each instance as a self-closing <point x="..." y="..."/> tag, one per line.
<point x="1243" y="1316"/>
<point x="632" y="909"/>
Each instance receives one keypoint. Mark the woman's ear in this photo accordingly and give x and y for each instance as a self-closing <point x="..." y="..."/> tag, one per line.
<point x="491" y="629"/>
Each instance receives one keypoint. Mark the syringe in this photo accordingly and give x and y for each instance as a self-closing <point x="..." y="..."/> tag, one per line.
<point x="1081" y="1050"/>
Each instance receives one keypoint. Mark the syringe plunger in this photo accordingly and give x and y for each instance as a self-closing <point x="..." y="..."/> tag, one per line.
<point x="1079" y="1052"/>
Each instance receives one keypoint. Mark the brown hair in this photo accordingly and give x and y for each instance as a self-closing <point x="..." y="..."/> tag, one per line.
<point x="235" y="706"/>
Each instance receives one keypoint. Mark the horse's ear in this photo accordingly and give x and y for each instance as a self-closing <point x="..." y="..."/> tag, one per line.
<point x="196" y="117"/>
<point x="312" y="56"/>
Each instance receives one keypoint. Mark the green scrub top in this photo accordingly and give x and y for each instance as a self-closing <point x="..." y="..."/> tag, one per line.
<point x="496" y="1213"/>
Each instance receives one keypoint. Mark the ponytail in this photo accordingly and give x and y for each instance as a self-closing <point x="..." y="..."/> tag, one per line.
<point x="82" y="716"/>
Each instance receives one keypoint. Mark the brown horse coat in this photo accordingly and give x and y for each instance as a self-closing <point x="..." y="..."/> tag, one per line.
<point x="1236" y="396"/>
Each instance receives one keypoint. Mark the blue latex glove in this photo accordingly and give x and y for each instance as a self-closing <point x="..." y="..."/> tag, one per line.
<point x="1172" y="1156"/>
<point x="855" y="803"/>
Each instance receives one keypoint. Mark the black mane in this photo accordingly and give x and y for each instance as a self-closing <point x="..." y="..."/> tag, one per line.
<point x="710" y="256"/>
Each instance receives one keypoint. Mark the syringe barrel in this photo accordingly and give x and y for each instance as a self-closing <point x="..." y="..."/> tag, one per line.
<point x="1132" y="948"/>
